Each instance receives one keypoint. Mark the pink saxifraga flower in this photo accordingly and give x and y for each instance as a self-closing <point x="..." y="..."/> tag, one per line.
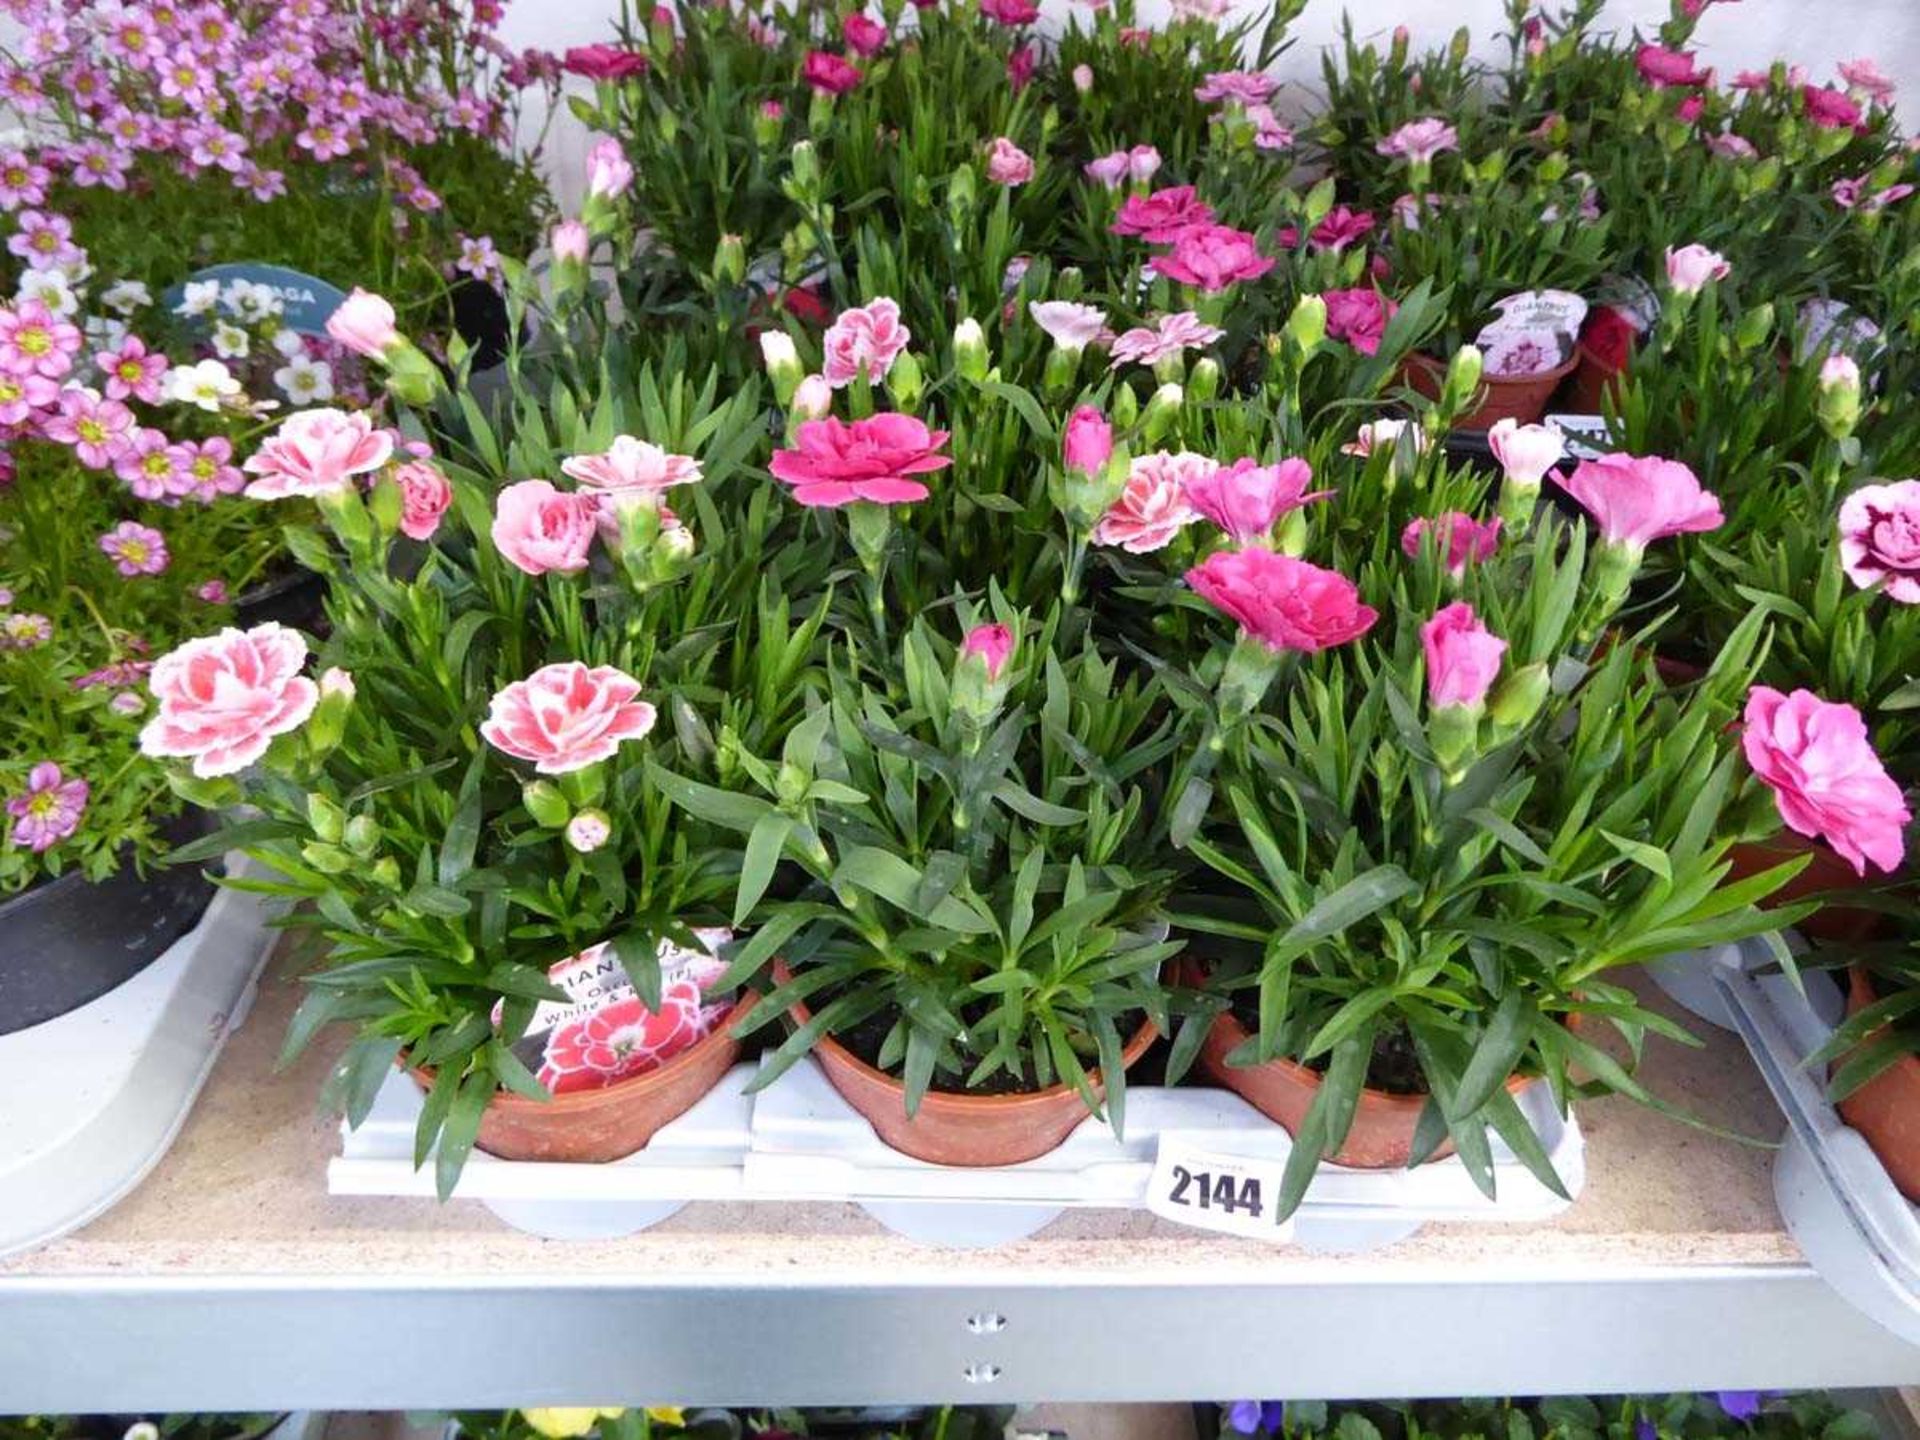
<point x="864" y="340"/>
<point x="1636" y="500"/>
<point x="878" y="459"/>
<point x="98" y="429"/>
<point x="132" y="371"/>
<point x="49" y="811"/>
<point x="1246" y="499"/>
<point x="135" y="549"/>
<point x="223" y="698"/>
<point x="567" y="716"/>
<point x="1153" y="507"/>
<point x="1287" y="604"/>
<point x="206" y="468"/>
<point x="1826" y="779"/>
<point x="35" y="341"/>
<point x="316" y="453"/>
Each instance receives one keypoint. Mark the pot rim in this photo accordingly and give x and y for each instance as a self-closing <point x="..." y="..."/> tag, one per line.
<point x="1860" y="994"/>
<point x="507" y="1102"/>
<point x="45" y="889"/>
<point x="1307" y="1075"/>
<point x="957" y="1099"/>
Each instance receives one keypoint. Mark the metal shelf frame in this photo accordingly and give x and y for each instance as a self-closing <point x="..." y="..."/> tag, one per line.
<point x="127" y="1343"/>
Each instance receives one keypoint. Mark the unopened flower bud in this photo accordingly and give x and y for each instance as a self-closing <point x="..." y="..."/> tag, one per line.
<point x="767" y="122"/>
<point x="363" y="835"/>
<point x="1463" y="378"/>
<point x="970" y="350"/>
<point x="546" y="804"/>
<point x="1162" y="410"/>
<point x="904" y="380"/>
<point x="1088" y="441"/>
<point x="329" y="720"/>
<point x="812" y="398"/>
<point x="1203" y="381"/>
<point x="1083" y="78"/>
<point x="804" y="163"/>
<point x="1307" y="326"/>
<point x="589" y="830"/>
<point x="729" y="260"/>
<point x="1755" y="327"/>
<point x="1518" y="696"/>
<point x="325" y="818"/>
<point x="1839" y="403"/>
<point x="782" y="360"/>
<point x="980" y="678"/>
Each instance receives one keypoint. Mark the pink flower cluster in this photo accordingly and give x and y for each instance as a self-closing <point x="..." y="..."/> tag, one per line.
<point x="204" y="89"/>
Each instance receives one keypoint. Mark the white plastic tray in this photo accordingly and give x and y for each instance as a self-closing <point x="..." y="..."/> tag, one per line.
<point x="696" y="1157"/>
<point x="798" y="1140"/>
<point x="808" y="1142"/>
<point x="90" y="1101"/>
<point x="1843" y="1209"/>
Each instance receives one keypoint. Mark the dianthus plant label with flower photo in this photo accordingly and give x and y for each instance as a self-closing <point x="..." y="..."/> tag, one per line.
<point x="305" y="300"/>
<point x="1228" y="1194"/>
<point x="603" y="1032"/>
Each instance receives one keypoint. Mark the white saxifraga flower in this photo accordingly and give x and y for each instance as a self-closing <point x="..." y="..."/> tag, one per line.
<point x="208" y="385"/>
<point x="198" y="297"/>
<point x="230" y="342"/>
<point x="305" y="381"/>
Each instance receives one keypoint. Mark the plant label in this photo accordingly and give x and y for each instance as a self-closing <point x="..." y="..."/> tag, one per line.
<point x="305" y="300"/>
<point x="1559" y="312"/>
<point x="602" y="1032"/>
<point x="1228" y="1194"/>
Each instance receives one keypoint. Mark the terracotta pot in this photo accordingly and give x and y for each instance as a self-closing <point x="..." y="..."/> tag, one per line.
<point x="1886" y="1110"/>
<point x="1381" y="1137"/>
<point x="958" y="1129"/>
<point x="595" y="1126"/>
<point x="1523" y="398"/>
<point x="1592" y="378"/>
<point x="1826" y="872"/>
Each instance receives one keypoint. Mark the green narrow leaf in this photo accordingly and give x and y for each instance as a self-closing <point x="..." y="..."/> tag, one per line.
<point x="761" y="857"/>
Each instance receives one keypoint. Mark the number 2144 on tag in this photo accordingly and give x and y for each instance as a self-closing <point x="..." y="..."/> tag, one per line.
<point x="1231" y="1194"/>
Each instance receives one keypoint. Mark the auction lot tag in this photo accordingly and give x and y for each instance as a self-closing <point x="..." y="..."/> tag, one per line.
<point x="1231" y="1194"/>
